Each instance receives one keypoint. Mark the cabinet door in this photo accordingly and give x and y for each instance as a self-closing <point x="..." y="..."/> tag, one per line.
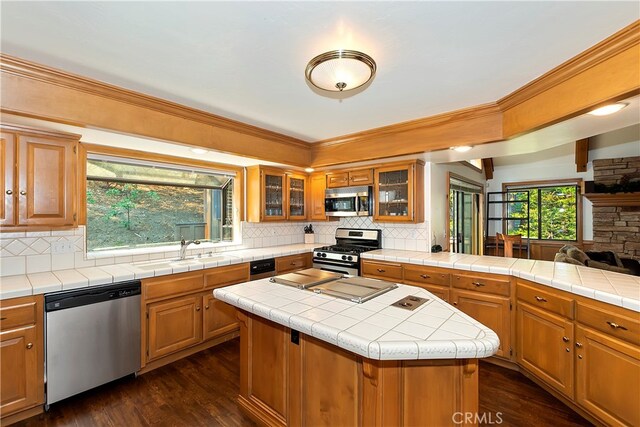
<point x="337" y="179"/>
<point x="219" y="317"/>
<point x="492" y="311"/>
<point x="394" y="194"/>
<point x="361" y="177"/>
<point x="290" y="263"/>
<point x="607" y="377"/>
<point x="46" y="184"/>
<point x="544" y="348"/>
<point x="20" y="385"/>
<point x="174" y="325"/>
<point x="7" y="163"/>
<point x="296" y="186"/>
<point x="273" y="196"/>
<point x="318" y="187"/>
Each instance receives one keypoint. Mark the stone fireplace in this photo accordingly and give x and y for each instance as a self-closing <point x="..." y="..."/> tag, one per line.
<point x="616" y="217"/>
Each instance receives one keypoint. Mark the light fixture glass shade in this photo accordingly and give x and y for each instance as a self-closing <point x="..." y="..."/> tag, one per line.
<point x="608" y="109"/>
<point x="461" y="148"/>
<point x="340" y="70"/>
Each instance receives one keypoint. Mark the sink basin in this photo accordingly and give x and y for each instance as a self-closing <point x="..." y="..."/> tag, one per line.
<point x="165" y="263"/>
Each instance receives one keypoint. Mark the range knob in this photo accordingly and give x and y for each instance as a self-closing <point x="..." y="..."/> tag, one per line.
<point x="344" y="257"/>
<point x="350" y="258"/>
<point x="318" y="254"/>
<point x="324" y="255"/>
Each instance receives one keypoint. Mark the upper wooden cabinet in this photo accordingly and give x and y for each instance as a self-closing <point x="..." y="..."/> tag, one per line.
<point x="399" y="193"/>
<point x="39" y="171"/>
<point x="318" y="185"/>
<point x="275" y="195"/>
<point x="350" y="178"/>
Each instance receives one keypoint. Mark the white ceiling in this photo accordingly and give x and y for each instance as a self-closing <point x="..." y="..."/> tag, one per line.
<point x="246" y="60"/>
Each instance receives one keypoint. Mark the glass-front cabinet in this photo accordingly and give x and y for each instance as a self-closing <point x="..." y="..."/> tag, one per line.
<point x="274" y="195"/>
<point x="297" y="204"/>
<point x="398" y="193"/>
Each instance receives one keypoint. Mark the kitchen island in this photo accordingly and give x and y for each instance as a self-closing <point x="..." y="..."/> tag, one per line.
<point x="309" y="359"/>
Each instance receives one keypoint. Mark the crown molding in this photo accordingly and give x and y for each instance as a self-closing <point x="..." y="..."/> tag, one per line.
<point x="31" y="70"/>
<point x="447" y="118"/>
<point x="608" y="48"/>
<point x="25" y="130"/>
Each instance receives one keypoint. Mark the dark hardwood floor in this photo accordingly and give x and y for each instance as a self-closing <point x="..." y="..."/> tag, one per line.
<point x="201" y="391"/>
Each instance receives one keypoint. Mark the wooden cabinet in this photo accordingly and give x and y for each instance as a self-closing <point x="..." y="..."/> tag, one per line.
<point x="382" y="270"/>
<point x="545" y="346"/>
<point x="21" y="355"/>
<point x="318" y="185"/>
<point x="607" y="377"/>
<point x="490" y="310"/>
<point x="481" y="282"/>
<point x="39" y="178"/>
<point x="353" y="178"/>
<point x="433" y="280"/>
<point x="399" y="193"/>
<point x="181" y="315"/>
<point x="291" y="263"/>
<point x="275" y="195"/>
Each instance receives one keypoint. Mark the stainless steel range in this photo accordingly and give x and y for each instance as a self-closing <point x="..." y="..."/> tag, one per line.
<point x="344" y="256"/>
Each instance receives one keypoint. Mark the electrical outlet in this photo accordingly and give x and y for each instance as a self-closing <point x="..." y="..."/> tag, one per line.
<point x="61" y="247"/>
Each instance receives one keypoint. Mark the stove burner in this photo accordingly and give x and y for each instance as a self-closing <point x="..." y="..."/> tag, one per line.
<point x="345" y="249"/>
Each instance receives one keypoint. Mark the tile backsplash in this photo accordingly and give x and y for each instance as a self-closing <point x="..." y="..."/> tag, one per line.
<point x="38" y="251"/>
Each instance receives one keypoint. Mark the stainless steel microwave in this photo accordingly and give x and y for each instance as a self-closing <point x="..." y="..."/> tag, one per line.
<point x="348" y="201"/>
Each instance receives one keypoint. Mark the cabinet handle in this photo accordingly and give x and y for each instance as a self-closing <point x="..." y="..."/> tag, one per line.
<point x="206" y="307"/>
<point x="197" y="308"/>
<point x="565" y="339"/>
<point x="568" y="350"/>
<point x="293" y="263"/>
<point x="614" y="325"/>
<point x="540" y="299"/>
<point x="579" y="345"/>
<point x="9" y="192"/>
<point x="425" y="276"/>
<point x="477" y="284"/>
<point x="455" y="303"/>
<point x="579" y="356"/>
<point x="23" y="193"/>
<point x="29" y="346"/>
<point x="380" y="270"/>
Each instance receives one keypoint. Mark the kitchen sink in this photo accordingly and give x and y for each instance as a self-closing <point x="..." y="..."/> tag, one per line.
<point x="165" y="263"/>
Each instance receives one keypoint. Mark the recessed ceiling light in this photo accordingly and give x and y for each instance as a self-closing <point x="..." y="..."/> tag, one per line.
<point x="309" y="170"/>
<point x="608" y="109"/>
<point x="461" y="148"/>
<point x="199" y="150"/>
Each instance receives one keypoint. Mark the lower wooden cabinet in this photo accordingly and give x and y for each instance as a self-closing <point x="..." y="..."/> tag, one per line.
<point x="545" y="346"/>
<point x="290" y="263"/>
<point x="219" y="317"/>
<point x="607" y="377"/>
<point x="174" y="325"/>
<point x="491" y="310"/>
<point x="21" y="356"/>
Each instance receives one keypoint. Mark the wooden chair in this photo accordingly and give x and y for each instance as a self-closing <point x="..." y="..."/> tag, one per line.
<point x="509" y="242"/>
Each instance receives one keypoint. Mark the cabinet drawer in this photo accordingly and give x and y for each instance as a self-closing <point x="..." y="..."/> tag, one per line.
<point x="482" y="283"/>
<point x="361" y="177"/>
<point x="16" y="313"/>
<point x="609" y="321"/>
<point x="385" y="271"/>
<point x="292" y="262"/>
<point x="416" y="275"/>
<point x="227" y="275"/>
<point x="548" y="300"/>
<point x="340" y="179"/>
<point x="176" y="284"/>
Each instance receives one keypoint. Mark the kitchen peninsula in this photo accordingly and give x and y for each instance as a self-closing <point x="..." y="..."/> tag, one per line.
<point x="309" y="359"/>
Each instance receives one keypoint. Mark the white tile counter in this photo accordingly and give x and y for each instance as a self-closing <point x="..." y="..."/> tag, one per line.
<point x="40" y="283"/>
<point x="374" y="329"/>
<point x="622" y="290"/>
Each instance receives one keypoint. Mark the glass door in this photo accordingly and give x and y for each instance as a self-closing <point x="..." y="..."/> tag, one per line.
<point x="274" y="196"/>
<point x="465" y="233"/>
<point x="296" y="197"/>
<point x="394" y="188"/>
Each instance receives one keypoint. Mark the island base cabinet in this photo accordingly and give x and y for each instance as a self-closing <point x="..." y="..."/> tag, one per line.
<point x="601" y="362"/>
<point x="291" y="379"/>
<point x="545" y="347"/>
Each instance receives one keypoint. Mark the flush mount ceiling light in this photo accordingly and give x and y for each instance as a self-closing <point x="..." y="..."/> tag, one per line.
<point x="461" y="148"/>
<point x="608" y="109"/>
<point x="309" y="170"/>
<point x="199" y="150"/>
<point x="340" y="70"/>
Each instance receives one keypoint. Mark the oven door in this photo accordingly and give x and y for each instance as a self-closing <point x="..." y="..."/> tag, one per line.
<point x="341" y="205"/>
<point x="350" y="268"/>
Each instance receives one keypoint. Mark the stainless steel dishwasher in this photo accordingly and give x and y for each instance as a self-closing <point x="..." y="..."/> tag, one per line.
<point x="92" y="337"/>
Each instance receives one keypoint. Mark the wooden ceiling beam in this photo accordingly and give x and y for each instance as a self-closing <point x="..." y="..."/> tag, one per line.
<point x="582" y="154"/>
<point x="487" y="166"/>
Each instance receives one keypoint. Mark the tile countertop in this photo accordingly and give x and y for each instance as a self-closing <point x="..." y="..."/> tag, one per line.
<point x="374" y="329"/>
<point x="618" y="289"/>
<point x="40" y="283"/>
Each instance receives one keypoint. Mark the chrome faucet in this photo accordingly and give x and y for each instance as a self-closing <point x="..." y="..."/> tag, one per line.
<point x="183" y="247"/>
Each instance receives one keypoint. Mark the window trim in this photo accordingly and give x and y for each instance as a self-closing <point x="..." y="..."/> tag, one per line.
<point x="87" y="149"/>
<point x="511" y="186"/>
